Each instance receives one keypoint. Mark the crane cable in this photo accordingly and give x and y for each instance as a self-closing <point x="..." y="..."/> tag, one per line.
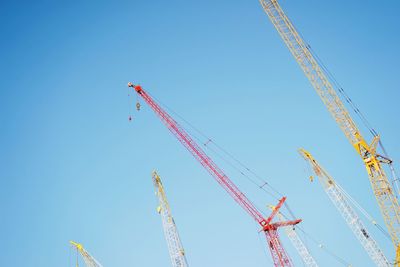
<point x="129" y="106"/>
<point x="359" y="207"/>
<point x="357" y="111"/>
<point x="238" y="162"/>
<point x="242" y="173"/>
<point x="323" y="247"/>
<point x="317" y="243"/>
<point x="341" y="90"/>
<point x="224" y="158"/>
<point x="363" y="118"/>
<point x="264" y="248"/>
<point x="262" y="184"/>
<point x="69" y="258"/>
<point x="395" y="179"/>
<point x="363" y="211"/>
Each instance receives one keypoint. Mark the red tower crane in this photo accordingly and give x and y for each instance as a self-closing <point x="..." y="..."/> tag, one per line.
<point x="278" y="253"/>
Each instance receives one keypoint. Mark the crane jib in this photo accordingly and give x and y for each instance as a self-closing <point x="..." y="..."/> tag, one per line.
<point x="387" y="201"/>
<point x="278" y="253"/>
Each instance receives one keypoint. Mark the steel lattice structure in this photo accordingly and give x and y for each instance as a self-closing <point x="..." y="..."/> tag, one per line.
<point x="87" y="258"/>
<point x="381" y="186"/>
<point x="298" y="244"/>
<point x="174" y="243"/>
<point x="339" y="199"/>
<point x="278" y="253"/>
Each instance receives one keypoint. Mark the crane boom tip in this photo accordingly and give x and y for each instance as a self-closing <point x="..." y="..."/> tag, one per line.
<point x="137" y="88"/>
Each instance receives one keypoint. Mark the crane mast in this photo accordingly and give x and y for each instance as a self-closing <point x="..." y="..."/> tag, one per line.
<point x="337" y="196"/>
<point x="278" y="253"/>
<point x="381" y="186"/>
<point x="175" y="247"/>
<point x="304" y="253"/>
<point x="87" y="258"/>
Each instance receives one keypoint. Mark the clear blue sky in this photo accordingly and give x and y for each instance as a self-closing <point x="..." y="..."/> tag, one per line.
<point x="73" y="167"/>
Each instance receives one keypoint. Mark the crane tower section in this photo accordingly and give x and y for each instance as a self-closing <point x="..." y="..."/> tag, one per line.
<point x="175" y="247"/>
<point x="89" y="260"/>
<point x="302" y="53"/>
<point x="338" y="197"/>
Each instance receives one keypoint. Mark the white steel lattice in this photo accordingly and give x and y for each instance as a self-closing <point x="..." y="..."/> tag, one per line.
<point x="89" y="260"/>
<point x="300" y="247"/>
<point x="318" y="77"/>
<point x="175" y="247"/>
<point x="337" y="196"/>
<point x="356" y="226"/>
<point x="298" y="244"/>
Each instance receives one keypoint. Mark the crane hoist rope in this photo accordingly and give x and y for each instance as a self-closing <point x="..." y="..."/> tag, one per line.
<point x="278" y="253"/>
<point x="380" y="183"/>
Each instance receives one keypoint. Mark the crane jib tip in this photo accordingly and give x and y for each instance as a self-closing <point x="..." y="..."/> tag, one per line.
<point x="137" y="88"/>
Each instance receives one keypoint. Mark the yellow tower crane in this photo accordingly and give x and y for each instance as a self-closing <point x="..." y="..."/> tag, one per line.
<point x="318" y="77"/>
<point x="87" y="258"/>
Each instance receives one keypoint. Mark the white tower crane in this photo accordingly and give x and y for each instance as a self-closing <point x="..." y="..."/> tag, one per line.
<point x="339" y="199"/>
<point x="175" y="247"/>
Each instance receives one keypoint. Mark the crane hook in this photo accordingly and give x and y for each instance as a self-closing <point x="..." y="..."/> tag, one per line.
<point x="137" y="106"/>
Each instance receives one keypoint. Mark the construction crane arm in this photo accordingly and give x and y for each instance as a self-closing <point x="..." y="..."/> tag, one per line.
<point x="286" y="223"/>
<point x="201" y="156"/>
<point x="174" y="243"/>
<point x="89" y="260"/>
<point x="276" y="210"/>
<point x="339" y="199"/>
<point x="278" y="253"/>
<point x="381" y="186"/>
<point x="316" y="75"/>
